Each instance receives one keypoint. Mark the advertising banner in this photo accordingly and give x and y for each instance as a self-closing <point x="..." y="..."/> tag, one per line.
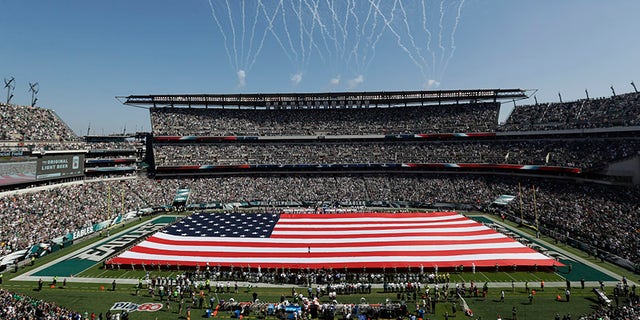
<point x="60" y="166"/>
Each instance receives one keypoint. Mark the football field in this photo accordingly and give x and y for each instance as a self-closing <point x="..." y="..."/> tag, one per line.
<point x="88" y="283"/>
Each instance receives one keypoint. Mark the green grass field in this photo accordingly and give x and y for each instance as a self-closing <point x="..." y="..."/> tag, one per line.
<point x="98" y="298"/>
<point x="89" y="297"/>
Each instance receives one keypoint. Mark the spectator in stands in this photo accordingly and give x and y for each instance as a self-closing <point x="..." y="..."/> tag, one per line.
<point x="617" y="111"/>
<point x="14" y="306"/>
<point x="474" y="117"/>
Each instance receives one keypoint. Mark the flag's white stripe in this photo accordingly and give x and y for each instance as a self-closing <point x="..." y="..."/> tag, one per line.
<point x="374" y="248"/>
<point x="388" y="231"/>
<point x="366" y="219"/>
<point x="274" y="241"/>
<point x="350" y="259"/>
<point x="360" y="225"/>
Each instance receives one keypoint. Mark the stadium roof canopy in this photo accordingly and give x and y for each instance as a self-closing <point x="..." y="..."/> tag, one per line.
<point x="325" y="100"/>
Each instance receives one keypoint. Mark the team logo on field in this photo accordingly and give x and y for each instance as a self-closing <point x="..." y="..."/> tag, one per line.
<point x="130" y="306"/>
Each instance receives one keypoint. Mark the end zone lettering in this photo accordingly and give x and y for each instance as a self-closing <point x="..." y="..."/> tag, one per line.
<point x="131" y="307"/>
<point x="103" y="250"/>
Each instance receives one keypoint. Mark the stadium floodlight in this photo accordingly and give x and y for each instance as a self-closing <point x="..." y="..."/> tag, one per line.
<point x="34" y="88"/>
<point x="613" y="91"/>
<point x="9" y="84"/>
<point x="634" y="87"/>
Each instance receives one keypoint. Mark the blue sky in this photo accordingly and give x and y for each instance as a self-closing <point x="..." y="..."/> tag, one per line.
<point x="84" y="53"/>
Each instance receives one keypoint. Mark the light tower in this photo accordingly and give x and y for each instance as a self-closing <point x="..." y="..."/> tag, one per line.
<point x="34" y="88"/>
<point x="9" y="84"/>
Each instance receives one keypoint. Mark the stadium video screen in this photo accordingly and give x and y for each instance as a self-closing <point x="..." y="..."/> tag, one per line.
<point x="60" y="166"/>
<point x="17" y="167"/>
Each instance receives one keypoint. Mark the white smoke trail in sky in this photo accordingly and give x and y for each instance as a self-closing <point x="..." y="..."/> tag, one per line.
<point x="368" y="37"/>
<point x="271" y="21"/>
<point x="233" y="33"/>
<point x="334" y="28"/>
<point x="301" y="31"/>
<point x="311" y="41"/>
<point x="429" y="36"/>
<point x="356" y="34"/>
<point x="398" y="37"/>
<point x="300" y="45"/>
<point x="224" y="36"/>
<point x="238" y="46"/>
<point x="268" y="29"/>
<point x="307" y="31"/>
<point x="333" y="35"/>
<point x="253" y="32"/>
<point x="412" y="41"/>
<point x="242" y="51"/>
<point x="343" y="34"/>
<point x="285" y="26"/>
<point x="306" y="36"/>
<point x="361" y="62"/>
<point x="377" y="39"/>
<point x="440" y="31"/>
<point x="343" y="22"/>
<point x="328" y="50"/>
<point x="453" y="35"/>
<point x="335" y="32"/>
<point x="322" y="28"/>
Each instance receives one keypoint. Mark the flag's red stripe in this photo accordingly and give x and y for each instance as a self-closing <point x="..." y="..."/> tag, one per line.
<point x="364" y="227"/>
<point x="379" y="235"/>
<point x="505" y="264"/>
<point x="257" y="243"/>
<point x="341" y="221"/>
<point x="325" y="216"/>
<point x="273" y="253"/>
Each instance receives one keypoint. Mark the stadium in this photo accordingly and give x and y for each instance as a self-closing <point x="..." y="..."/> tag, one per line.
<point x="459" y="190"/>
<point x="319" y="159"/>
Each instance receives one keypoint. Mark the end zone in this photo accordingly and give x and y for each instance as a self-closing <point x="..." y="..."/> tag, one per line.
<point x="86" y="257"/>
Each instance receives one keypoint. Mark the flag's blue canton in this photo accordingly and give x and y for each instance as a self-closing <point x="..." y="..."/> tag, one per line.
<point x="236" y="225"/>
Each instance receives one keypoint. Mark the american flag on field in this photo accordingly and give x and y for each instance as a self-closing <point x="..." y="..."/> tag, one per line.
<point x="344" y="240"/>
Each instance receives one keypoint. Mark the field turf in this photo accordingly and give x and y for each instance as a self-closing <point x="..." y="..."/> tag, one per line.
<point x="99" y="298"/>
<point x="90" y="297"/>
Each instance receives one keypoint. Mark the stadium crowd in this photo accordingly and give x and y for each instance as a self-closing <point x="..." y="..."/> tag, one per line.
<point x="621" y="110"/>
<point x="582" y="153"/>
<point x="31" y="218"/>
<point x="21" y="123"/>
<point x="16" y="307"/>
<point x="276" y="122"/>
<point x="111" y="146"/>
<point x="622" y="312"/>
